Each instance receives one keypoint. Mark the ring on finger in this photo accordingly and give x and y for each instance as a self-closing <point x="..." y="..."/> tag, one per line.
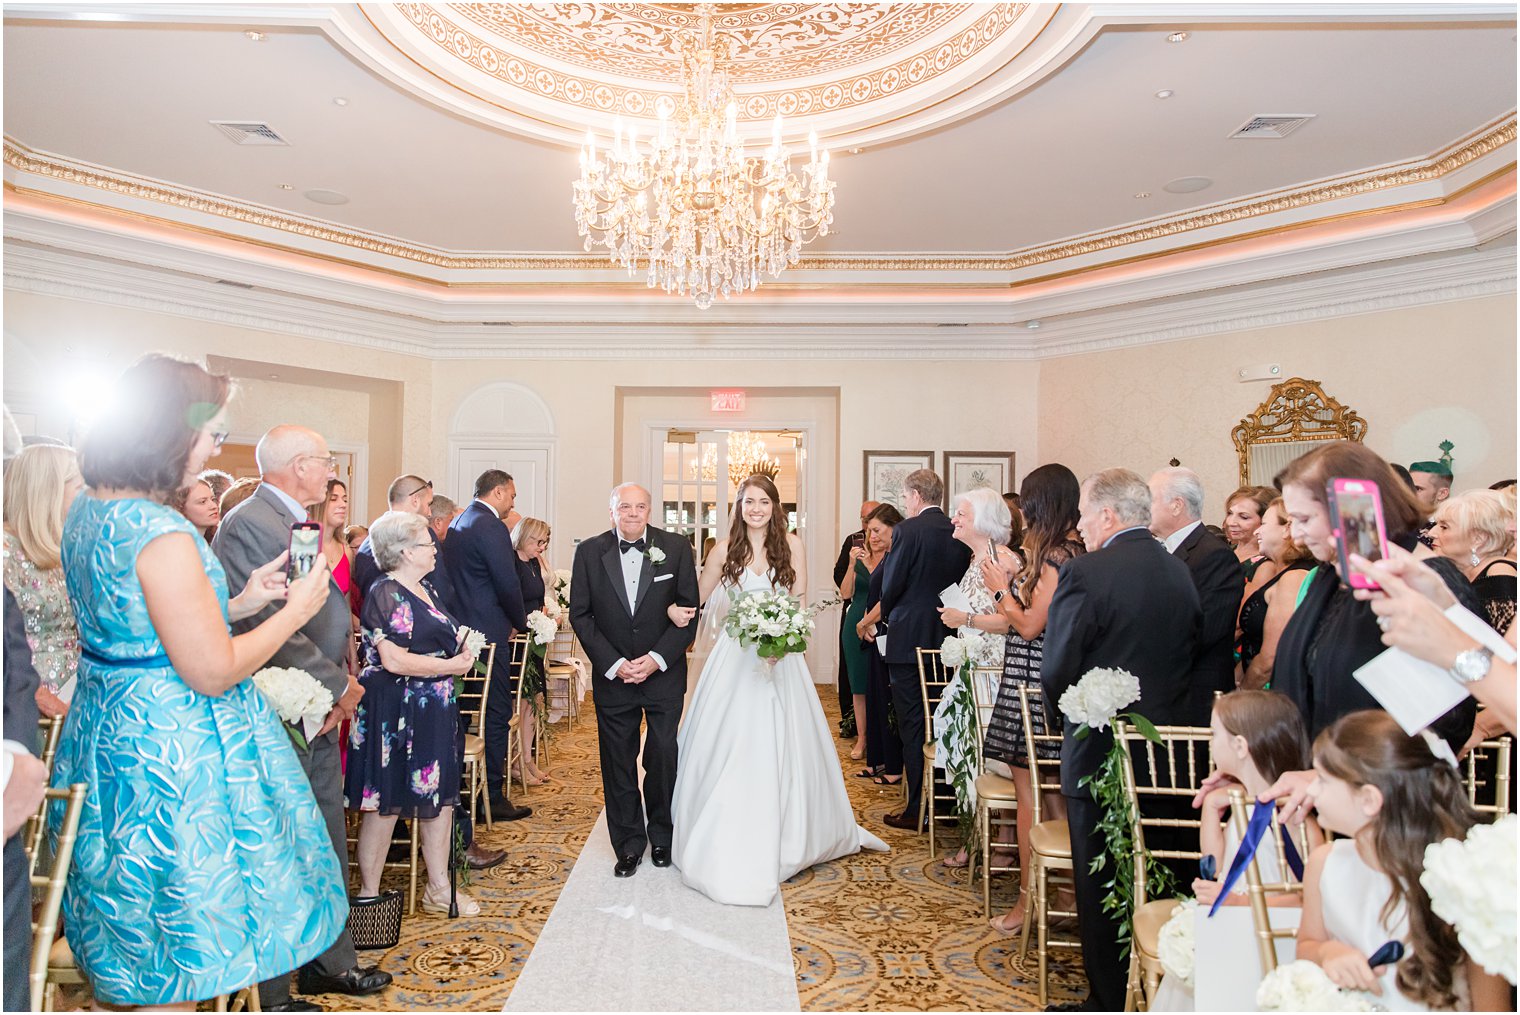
<point x="1383" y="623"/>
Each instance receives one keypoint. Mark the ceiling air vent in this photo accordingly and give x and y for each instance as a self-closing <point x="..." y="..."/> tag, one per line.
<point x="1273" y="125"/>
<point x="246" y="132"/>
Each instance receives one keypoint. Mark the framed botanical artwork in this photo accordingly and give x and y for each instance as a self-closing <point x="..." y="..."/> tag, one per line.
<point x="886" y="470"/>
<point x="967" y="470"/>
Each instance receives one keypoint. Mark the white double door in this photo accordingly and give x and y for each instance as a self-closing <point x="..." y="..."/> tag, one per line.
<point x="528" y="467"/>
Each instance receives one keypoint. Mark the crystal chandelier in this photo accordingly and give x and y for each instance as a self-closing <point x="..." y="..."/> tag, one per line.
<point x="746" y="457"/>
<point x="687" y="205"/>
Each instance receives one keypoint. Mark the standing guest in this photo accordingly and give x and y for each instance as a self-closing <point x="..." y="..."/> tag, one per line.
<point x="406" y="742"/>
<point x="414" y="495"/>
<point x="440" y="514"/>
<point x="1403" y="474"/>
<point x="1266" y="610"/>
<point x="218" y="480"/>
<point x="850" y="713"/>
<point x="1050" y="500"/>
<point x="198" y="503"/>
<point x="40" y="484"/>
<point x="331" y="512"/>
<point x="488" y="597"/>
<point x="295" y="465"/>
<point x="884" y="762"/>
<point x="531" y="539"/>
<point x="1125" y="604"/>
<point x="236" y="494"/>
<point x="1332" y="633"/>
<point x="1432" y="485"/>
<point x="862" y="556"/>
<point x="1243" y="512"/>
<point x="1015" y="521"/>
<point x="354" y="536"/>
<point x="201" y="864"/>
<point x="1476" y="531"/>
<point x="925" y="558"/>
<point x="1176" y="520"/>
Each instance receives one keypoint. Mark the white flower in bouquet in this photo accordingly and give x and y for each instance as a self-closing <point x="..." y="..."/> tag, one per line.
<point x="1094" y="700"/>
<point x="552" y="609"/>
<point x="542" y="627"/>
<point x="473" y="641"/>
<point x="775" y="623"/>
<point x="1303" y="986"/>
<point x="1481" y="908"/>
<point x="952" y="652"/>
<point x="1175" y="945"/>
<point x="297" y="698"/>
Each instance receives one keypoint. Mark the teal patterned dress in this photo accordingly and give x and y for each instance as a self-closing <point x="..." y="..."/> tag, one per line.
<point x="202" y="864"/>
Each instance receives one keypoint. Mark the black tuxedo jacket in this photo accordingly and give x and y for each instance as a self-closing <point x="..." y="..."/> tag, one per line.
<point x="1221" y="583"/>
<point x="479" y="556"/>
<point x="1129" y="606"/>
<point x="610" y="631"/>
<point x="925" y="558"/>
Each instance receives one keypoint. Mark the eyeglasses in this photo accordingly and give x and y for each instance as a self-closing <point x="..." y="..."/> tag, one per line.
<point x="424" y="546"/>
<point x="331" y="460"/>
<point x="218" y="438"/>
<point x="426" y="485"/>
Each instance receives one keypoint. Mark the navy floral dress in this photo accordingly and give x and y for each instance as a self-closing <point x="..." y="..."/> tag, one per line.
<point x="405" y="742"/>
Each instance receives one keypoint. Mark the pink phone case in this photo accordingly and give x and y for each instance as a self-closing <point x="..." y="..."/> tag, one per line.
<point x="1357" y="513"/>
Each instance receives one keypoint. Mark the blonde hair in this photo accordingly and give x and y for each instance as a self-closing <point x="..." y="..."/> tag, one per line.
<point x="1486" y="515"/>
<point x="529" y="528"/>
<point x="34" y="508"/>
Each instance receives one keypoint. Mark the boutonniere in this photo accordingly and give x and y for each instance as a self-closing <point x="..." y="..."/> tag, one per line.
<point x="656" y="555"/>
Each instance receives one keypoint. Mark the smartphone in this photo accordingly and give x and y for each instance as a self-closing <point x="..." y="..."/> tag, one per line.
<point x="858" y="539"/>
<point x="305" y="548"/>
<point x="1356" y="512"/>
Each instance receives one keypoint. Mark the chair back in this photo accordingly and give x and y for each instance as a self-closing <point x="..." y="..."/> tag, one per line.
<point x="1485" y="771"/>
<point x="473" y="690"/>
<point x="45" y="925"/>
<point x="1044" y="776"/>
<point x="1171" y="770"/>
<point x="1258" y="890"/>
<point x="933" y="677"/>
<point x="50" y="730"/>
<point x="517" y="666"/>
<point x="984" y="690"/>
<point x="36" y="825"/>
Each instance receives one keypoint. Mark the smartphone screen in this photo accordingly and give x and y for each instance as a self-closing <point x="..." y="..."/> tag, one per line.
<point x="1357" y="512"/>
<point x="305" y="547"/>
<point x="858" y="539"/>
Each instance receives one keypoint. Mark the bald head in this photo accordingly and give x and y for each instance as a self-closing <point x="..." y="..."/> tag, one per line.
<point x="867" y="508"/>
<point x="296" y="460"/>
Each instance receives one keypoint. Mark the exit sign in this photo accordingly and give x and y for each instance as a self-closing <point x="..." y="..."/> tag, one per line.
<point x="727" y="401"/>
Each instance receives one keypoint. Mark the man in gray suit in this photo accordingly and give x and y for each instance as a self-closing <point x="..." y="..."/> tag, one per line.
<point x="295" y="466"/>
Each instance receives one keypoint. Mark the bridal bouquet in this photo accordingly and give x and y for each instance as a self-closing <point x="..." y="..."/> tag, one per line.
<point x="1481" y="908"/>
<point x="296" y="697"/>
<point x="1303" y="986"/>
<point x="775" y="623"/>
<point x="1175" y="945"/>
<point x="542" y="627"/>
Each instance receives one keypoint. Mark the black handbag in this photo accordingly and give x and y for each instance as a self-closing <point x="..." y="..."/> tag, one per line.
<point x="374" y="921"/>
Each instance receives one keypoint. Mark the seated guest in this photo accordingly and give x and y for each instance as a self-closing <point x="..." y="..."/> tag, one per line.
<point x="1243" y="512"/>
<point x="531" y="541"/>
<point x="1432" y="485"/>
<point x="198" y="503"/>
<point x="1267" y="608"/>
<point x="1476" y="532"/>
<point x="1332" y="633"/>
<point x="1177" y="520"/>
<point x="406" y="740"/>
<point x="236" y="494"/>
<point x="40" y="484"/>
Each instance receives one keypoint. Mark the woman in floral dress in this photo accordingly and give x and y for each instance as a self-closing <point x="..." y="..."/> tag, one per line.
<point x="406" y="740"/>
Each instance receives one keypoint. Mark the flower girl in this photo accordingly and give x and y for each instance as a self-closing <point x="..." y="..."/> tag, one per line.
<point x="1393" y="796"/>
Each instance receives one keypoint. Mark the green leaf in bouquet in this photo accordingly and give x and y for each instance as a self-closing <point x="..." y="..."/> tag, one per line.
<point x="1145" y="726"/>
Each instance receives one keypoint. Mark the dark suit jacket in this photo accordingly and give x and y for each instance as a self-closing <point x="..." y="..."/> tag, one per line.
<point x="256" y="532"/>
<point x="479" y="557"/>
<point x="21" y="682"/>
<point x="1221" y="583"/>
<point x="609" y="631"/>
<point x="925" y="558"/>
<point x="366" y="571"/>
<point x="1129" y="606"/>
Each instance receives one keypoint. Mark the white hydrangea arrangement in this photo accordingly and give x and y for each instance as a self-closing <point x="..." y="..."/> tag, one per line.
<point x="976" y="648"/>
<point x="1303" y="986"/>
<point x="297" y="698"/>
<point x="1482" y="909"/>
<point x="1176" y="946"/>
<point x="553" y="610"/>
<point x="1094" y="701"/>
<point x="775" y="623"/>
<point x="542" y="627"/>
<point x="472" y="641"/>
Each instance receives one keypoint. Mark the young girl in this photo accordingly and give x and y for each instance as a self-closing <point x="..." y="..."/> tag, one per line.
<point x="1393" y="797"/>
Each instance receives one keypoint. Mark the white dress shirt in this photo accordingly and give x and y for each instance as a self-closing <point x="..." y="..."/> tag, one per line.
<point x="296" y="508"/>
<point x="1177" y="538"/>
<point x="633" y="566"/>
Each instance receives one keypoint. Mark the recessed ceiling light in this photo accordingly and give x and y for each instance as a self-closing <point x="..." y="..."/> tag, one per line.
<point x="1144" y="193"/>
<point x="1165" y="93"/>
<point x="340" y="101"/>
<point x="326" y="197"/>
<point x="285" y="186"/>
<point x="255" y="36"/>
<point x="1031" y="325"/>
<point x="1178" y="37"/>
<point x="1188" y="185"/>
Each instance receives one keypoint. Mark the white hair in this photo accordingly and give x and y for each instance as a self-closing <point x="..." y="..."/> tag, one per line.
<point x="989" y="513"/>
<point x="283" y="445"/>
<point x="1182" y="483"/>
<point x="392" y="533"/>
<point x="617" y="494"/>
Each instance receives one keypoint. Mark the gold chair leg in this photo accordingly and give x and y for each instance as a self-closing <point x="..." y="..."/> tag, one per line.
<point x="985" y="827"/>
<point x="411" y="873"/>
<point x="1026" y="900"/>
<point x="1042" y="938"/>
<point x="929" y="806"/>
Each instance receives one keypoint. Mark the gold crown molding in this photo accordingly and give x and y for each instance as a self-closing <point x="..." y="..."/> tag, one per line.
<point x="1466" y="151"/>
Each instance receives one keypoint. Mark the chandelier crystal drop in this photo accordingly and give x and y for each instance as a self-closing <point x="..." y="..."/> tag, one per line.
<point x="747" y="457"/>
<point x="687" y="205"/>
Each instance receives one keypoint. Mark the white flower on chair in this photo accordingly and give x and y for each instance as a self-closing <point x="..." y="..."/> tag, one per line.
<point x="1094" y="700"/>
<point x="1175" y="945"/>
<point x="542" y="627"/>
<point x="1481" y="908"/>
<point x="1303" y="986"/>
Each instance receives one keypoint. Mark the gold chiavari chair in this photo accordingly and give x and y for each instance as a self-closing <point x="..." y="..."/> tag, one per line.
<point x="933" y="678"/>
<point x="408" y="839"/>
<point x="246" y="999"/>
<point x="472" y="708"/>
<point x="49" y="950"/>
<point x="36" y="825"/>
<point x="517" y="666"/>
<point x="1171" y="770"/>
<point x="993" y="792"/>
<point x="1258" y="890"/>
<point x="1485" y="772"/>
<point x="1049" y="845"/>
<point x="558" y="669"/>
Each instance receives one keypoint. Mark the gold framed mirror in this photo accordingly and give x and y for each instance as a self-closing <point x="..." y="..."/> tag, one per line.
<point x="1293" y="418"/>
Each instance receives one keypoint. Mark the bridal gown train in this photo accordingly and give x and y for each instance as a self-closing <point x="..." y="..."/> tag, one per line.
<point x="759" y="792"/>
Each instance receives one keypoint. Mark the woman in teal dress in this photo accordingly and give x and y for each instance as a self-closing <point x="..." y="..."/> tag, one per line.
<point x="864" y="559"/>
<point x="202" y="864"/>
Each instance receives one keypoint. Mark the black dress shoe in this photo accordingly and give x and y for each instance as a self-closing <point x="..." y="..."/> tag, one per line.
<point x="294" y="1005"/>
<point x="659" y="856"/>
<point x="626" y="865"/>
<point x="479" y="858"/>
<point x="358" y="980"/>
<point x="503" y="809"/>
<point x="905" y="820"/>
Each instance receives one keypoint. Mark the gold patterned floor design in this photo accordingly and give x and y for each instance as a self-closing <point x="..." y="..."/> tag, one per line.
<point x="872" y="932"/>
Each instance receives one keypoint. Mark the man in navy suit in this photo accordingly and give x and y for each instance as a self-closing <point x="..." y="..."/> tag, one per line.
<point x="480" y="559"/>
<point x="925" y="558"/>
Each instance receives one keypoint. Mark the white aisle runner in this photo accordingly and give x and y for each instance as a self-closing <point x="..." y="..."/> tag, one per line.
<point x="649" y="943"/>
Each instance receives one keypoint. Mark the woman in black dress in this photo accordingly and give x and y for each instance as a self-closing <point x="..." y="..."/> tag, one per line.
<point x="1267" y="608"/>
<point x="1049" y="500"/>
<point x="884" y="757"/>
<point x="531" y="541"/>
<point x="405" y="743"/>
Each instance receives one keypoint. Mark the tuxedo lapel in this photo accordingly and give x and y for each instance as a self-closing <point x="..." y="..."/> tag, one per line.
<point x="646" y="576"/>
<point x="613" y="562"/>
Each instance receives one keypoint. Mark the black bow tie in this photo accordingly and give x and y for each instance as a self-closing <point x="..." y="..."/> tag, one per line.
<point x="624" y="545"/>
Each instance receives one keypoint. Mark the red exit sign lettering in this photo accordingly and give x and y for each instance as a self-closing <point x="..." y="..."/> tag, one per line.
<point x="727" y="401"/>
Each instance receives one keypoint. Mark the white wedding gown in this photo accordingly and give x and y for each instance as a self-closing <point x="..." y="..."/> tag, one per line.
<point x="759" y="792"/>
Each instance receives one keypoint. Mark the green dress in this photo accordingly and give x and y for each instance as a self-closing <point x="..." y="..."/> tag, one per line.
<point x="856" y="662"/>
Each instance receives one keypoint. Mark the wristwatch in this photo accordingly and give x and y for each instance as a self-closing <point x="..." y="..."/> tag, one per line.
<point x="1471" y="666"/>
<point x="997" y="597"/>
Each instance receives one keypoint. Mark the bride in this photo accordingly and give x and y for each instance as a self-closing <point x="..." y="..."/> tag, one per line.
<point x="759" y="793"/>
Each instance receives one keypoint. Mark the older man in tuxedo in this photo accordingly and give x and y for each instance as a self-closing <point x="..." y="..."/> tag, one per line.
<point x="925" y="558"/>
<point x="1177" y="520"/>
<point x="1125" y="604"/>
<point x="294" y="467"/>
<point x="488" y="597"/>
